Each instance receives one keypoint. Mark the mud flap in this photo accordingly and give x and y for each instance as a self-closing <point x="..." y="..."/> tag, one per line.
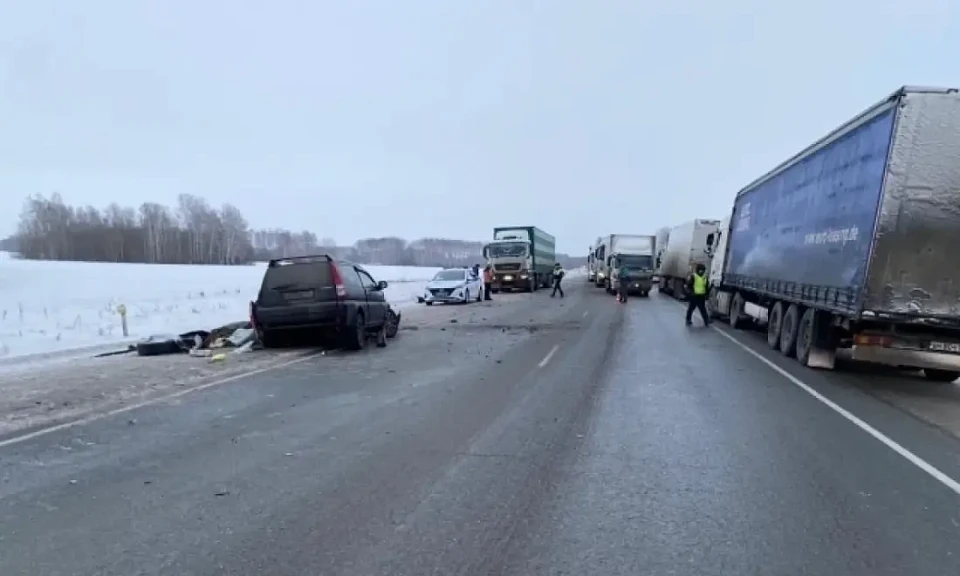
<point x="822" y="358"/>
<point x="823" y="352"/>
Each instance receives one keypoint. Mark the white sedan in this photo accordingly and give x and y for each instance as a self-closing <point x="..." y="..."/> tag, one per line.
<point x="453" y="285"/>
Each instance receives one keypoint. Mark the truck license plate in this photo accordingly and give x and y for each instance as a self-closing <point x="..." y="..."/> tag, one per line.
<point x="952" y="347"/>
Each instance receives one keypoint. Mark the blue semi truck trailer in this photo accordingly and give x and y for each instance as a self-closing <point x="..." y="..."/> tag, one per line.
<point x="850" y="244"/>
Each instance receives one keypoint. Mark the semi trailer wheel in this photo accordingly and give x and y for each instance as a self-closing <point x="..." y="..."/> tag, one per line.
<point x="774" y="323"/>
<point x="788" y="330"/>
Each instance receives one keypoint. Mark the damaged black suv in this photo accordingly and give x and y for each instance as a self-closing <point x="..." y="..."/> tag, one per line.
<point x="332" y="298"/>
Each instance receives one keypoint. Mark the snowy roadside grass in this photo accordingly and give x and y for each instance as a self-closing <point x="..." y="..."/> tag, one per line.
<point x="48" y="309"/>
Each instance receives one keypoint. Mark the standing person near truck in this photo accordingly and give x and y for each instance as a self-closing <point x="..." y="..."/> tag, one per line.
<point x="557" y="279"/>
<point x="487" y="281"/>
<point x="697" y="288"/>
<point x="623" y="284"/>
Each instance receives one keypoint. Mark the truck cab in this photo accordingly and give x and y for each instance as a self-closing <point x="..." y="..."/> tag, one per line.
<point x="511" y="260"/>
<point x="637" y="254"/>
<point x="718" y="301"/>
<point x="521" y="258"/>
<point x="639" y="268"/>
<point x="600" y="258"/>
<point x="688" y="245"/>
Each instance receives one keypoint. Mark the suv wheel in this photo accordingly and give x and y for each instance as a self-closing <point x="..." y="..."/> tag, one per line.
<point x="356" y="337"/>
<point x="393" y="324"/>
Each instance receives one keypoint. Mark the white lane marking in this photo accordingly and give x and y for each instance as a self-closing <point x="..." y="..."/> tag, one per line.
<point x="585" y="312"/>
<point x="122" y="409"/>
<point x="889" y="442"/>
<point x="549" y="355"/>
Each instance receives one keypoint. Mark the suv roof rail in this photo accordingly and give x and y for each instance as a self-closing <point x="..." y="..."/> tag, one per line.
<point x="273" y="263"/>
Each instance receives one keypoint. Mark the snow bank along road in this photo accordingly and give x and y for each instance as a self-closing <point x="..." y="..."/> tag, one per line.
<point x="51" y="307"/>
<point x="524" y="436"/>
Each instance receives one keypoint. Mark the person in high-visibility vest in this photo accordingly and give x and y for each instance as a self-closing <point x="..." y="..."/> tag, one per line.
<point x="697" y="288"/>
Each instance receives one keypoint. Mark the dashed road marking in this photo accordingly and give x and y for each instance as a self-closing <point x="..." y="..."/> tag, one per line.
<point x="886" y="440"/>
<point x="157" y="400"/>
<point x="549" y="355"/>
<point x="585" y="312"/>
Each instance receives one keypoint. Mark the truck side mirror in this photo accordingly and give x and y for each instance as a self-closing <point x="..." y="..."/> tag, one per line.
<point x="486" y="252"/>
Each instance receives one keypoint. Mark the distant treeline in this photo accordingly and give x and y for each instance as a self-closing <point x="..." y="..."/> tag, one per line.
<point x="196" y="233"/>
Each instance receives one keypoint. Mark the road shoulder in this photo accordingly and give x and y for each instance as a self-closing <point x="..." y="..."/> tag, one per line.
<point x="41" y="396"/>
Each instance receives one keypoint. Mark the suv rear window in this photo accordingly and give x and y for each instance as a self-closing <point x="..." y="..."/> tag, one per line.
<point x="285" y="276"/>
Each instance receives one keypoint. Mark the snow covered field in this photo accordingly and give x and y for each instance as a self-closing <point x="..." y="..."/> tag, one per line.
<point x="48" y="308"/>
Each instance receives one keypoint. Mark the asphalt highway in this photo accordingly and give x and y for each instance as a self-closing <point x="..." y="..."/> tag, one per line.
<point x="521" y="437"/>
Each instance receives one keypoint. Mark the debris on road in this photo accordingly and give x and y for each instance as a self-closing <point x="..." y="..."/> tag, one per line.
<point x="239" y="337"/>
<point x="200" y="343"/>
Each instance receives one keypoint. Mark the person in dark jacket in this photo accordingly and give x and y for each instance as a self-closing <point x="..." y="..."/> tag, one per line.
<point x="623" y="284"/>
<point x="557" y="279"/>
<point x="697" y="288"/>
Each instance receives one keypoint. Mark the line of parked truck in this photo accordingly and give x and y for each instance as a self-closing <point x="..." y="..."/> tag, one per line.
<point x="617" y="254"/>
<point x="848" y="245"/>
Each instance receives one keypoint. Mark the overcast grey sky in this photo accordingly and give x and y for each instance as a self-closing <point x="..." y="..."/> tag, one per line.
<point x="442" y="118"/>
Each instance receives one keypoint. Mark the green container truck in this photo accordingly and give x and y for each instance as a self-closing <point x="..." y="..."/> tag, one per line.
<point x="522" y="258"/>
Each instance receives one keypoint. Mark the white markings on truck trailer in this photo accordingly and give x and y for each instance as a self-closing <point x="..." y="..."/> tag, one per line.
<point x="838" y="236"/>
<point x="883" y="438"/>
<point x="743" y="218"/>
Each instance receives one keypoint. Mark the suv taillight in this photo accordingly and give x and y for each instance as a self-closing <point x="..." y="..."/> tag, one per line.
<point x="337" y="280"/>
